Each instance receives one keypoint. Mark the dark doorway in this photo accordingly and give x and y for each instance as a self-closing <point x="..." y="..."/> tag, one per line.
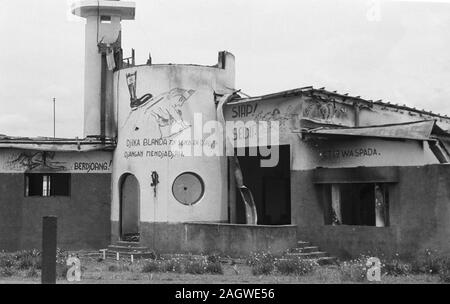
<point x="129" y="208"/>
<point x="271" y="188"/>
<point x="358" y="204"/>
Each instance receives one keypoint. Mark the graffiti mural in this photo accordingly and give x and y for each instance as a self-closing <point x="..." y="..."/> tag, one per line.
<point x="324" y="111"/>
<point x="276" y="114"/>
<point x="165" y="110"/>
<point x="38" y="160"/>
<point x="20" y="161"/>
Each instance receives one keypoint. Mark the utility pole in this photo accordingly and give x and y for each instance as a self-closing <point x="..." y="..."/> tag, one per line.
<point x="54" y="118"/>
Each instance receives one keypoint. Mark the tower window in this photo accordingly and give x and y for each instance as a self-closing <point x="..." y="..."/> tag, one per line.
<point x="105" y="19"/>
<point x="47" y="185"/>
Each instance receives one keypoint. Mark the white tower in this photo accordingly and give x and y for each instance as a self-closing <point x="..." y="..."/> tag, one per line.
<point x="102" y="43"/>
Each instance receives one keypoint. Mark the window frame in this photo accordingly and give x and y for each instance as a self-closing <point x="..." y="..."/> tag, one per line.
<point x="329" y="192"/>
<point x="48" y="192"/>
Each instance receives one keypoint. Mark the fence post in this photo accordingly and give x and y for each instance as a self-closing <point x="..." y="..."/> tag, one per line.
<point x="49" y="228"/>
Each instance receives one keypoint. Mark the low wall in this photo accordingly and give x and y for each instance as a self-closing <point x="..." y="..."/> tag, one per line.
<point x="228" y="239"/>
<point x="419" y="211"/>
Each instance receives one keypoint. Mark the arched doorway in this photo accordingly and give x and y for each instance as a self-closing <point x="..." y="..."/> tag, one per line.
<point x="129" y="208"/>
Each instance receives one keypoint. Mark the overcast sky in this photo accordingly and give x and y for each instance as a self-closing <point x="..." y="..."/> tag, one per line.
<point x="401" y="55"/>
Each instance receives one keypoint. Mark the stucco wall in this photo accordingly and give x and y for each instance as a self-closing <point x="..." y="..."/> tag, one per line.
<point x="83" y="218"/>
<point x="419" y="215"/>
<point x="150" y="140"/>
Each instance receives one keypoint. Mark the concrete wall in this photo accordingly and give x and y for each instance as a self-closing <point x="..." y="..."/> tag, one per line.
<point x="419" y="216"/>
<point x="83" y="218"/>
<point x="233" y="240"/>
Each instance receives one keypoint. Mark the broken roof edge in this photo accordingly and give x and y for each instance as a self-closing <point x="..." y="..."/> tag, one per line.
<point x="418" y="130"/>
<point x="58" y="144"/>
<point x="311" y="89"/>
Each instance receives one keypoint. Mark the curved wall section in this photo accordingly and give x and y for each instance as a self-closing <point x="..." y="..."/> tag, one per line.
<point x="155" y="109"/>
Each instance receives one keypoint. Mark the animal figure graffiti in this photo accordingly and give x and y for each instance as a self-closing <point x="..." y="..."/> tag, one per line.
<point x="41" y="160"/>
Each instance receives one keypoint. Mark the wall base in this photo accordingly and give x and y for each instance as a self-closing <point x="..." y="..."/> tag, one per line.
<point x="227" y="239"/>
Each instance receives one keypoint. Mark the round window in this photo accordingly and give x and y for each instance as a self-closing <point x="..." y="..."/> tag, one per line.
<point x="188" y="188"/>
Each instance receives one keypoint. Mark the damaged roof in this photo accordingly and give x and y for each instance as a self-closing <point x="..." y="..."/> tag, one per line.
<point x="57" y="144"/>
<point x="323" y="94"/>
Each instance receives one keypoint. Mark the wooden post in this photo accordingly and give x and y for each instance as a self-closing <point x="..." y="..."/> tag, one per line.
<point x="103" y="75"/>
<point x="49" y="233"/>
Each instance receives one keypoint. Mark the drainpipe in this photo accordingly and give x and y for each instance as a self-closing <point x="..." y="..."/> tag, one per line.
<point x="103" y="98"/>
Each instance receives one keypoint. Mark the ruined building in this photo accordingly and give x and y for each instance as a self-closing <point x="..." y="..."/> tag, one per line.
<point x="351" y="176"/>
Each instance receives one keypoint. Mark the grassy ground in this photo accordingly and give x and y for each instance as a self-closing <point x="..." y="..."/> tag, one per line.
<point x="123" y="272"/>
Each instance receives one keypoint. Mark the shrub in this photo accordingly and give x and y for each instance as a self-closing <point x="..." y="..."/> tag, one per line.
<point x="286" y="267"/>
<point x="194" y="267"/>
<point x="7" y="261"/>
<point x="354" y="270"/>
<point x="395" y="267"/>
<point x="7" y="265"/>
<point x="6" y="272"/>
<point x="444" y="270"/>
<point x="428" y="262"/>
<point x="26" y="262"/>
<point x="32" y="273"/>
<point x="262" y="263"/>
<point x="26" y="254"/>
<point x="260" y="258"/>
<point x="38" y="263"/>
<point x="153" y="255"/>
<point x="214" y="267"/>
<point x="118" y="267"/>
<point x="262" y="269"/>
<point x="294" y="266"/>
<point x="327" y="274"/>
<point x="151" y="266"/>
<point x="213" y="258"/>
<point x="305" y="267"/>
<point x="173" y="265"/>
